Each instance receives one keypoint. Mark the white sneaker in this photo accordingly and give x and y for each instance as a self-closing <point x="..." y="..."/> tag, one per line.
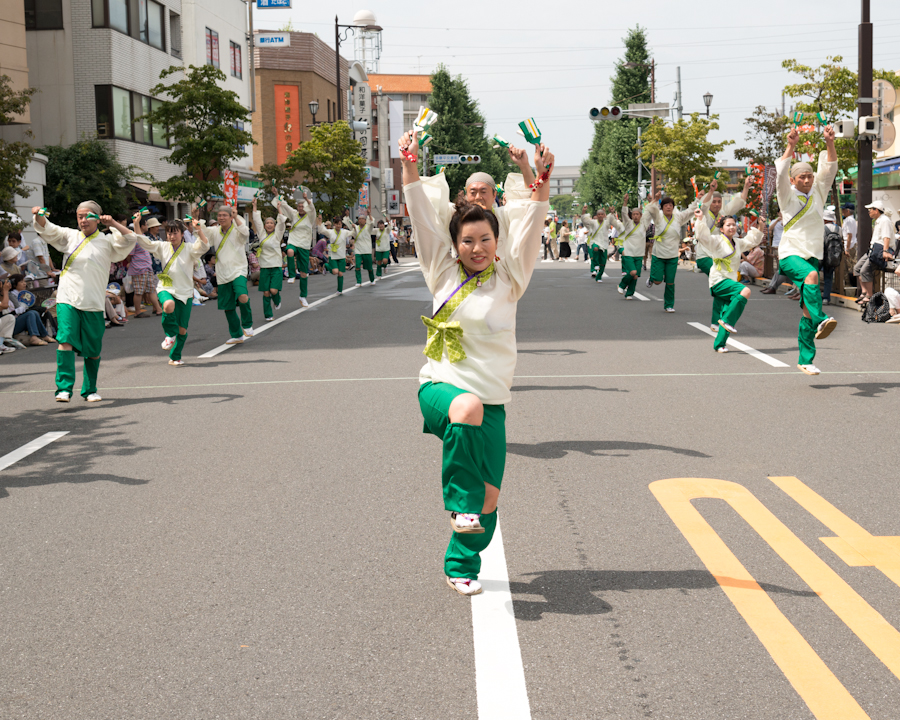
<point x="234" y="341"/>
<point x="94" y="397"/>
<point x="825" y="328"/>
<point x="176" y="363"/>
<point x="727" y="326"/>
<point x="304" y="302"/>
<point x="594" y="274"/>
<point x="291" y="281"/>
<point x="63" y="396"/>
<point x="669" y="309"/>
<point x="277" y="306"/>
<point x="269" y="319"/>
<point x="248" y="332"/>
<point x="809" y="369"/>
<point x="621" y="291"/>
<point x="722" y="349"/>
<point x="168" y="343"/>
<point x="714" y="328"/>
<point x="649" y="283"/>
<point x="599" y="279"/>
<point x="464" y="586"/>
<point x="466" y="522"/>
<point x="629" y="297"/>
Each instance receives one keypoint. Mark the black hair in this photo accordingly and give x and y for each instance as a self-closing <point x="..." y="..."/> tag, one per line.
<point x="666" y="201"/>
<point x="466" y="213"/>
<point x="720" y="223"/>
<point x="14" y="236"/>
<point x="15" y="279"/>
<point x="174" y="225"/>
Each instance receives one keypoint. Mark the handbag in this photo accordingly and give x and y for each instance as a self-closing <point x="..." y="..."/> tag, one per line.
<point x="876" y="256"/>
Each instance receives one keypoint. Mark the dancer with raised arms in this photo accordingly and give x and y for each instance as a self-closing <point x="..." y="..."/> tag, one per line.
<point x="361" y="234"/>
<point x="268" y="252"/>
<point x="382" y="249"/>
<point x="634" y="239"/>
<point x="471" y="349"/>
<point x="300" y="242"/>
<point x="667" y="242"/>
<point x="81" y="296"/>
<point x="337" y="238"/>
<point x="598" y="238"/>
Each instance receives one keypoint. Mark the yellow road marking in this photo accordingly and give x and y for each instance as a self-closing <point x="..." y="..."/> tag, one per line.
<point x="818" y="687"/>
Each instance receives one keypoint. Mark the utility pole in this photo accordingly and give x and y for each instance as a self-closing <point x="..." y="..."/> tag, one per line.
<point x="864" y="161"/>
<point x="252" y="63"/>
<point x="337" y="65"/>
<point x="678" y="106"/>
<point x="653" y="100"/>
<point x="384" y="152"/>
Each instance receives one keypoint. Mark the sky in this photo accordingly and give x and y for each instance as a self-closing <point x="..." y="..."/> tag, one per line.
<point x="553" y="61"/>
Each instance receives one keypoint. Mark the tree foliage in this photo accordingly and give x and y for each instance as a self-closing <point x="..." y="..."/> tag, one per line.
<point x="683" y="151"/>
<point x="200" y="118"/>
<point x="610" y="170"/>
<point x="86" y="170"/>
<point x="766" y="132"/>
<point x="331" y="165"/>
<point x="14" y="156"/>
<point x="830" y="89"/>
<point x="563" y="205"/>
<point x="455" y="131"/>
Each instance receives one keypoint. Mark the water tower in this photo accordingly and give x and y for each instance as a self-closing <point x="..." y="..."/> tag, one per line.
<point x="367" y="40"/>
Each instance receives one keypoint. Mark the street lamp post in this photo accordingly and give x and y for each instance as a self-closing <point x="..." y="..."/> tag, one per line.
<point x="337" y="53"/>
<point x="314" y="108"/>
<point x="707" y="100"/>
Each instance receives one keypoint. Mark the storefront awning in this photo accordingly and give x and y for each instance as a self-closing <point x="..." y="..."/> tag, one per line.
<point x="152" y="193"/>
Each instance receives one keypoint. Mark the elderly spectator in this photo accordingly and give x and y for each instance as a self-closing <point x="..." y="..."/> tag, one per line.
<point x="9" y="261"/>
<point x="883" y="234"/>
<point x="27" y="320"/>
<point x="140" y="269"/>
<point x="752" y="267"/>
<point x="7" y="319"/>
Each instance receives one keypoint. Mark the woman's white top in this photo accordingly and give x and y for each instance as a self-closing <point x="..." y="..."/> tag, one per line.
<point x="231" y="259"/>
<point x="669" y="244"/>
<point x="83" y="285"/>
<point x="734" y="205"/>
<point x="182" y="270"/>
<point x="718" y="248"/>
<point x="488" y="315"/>
<point x="805" y="237"/>
<point x="301" y="234"/>
<point x="634" y="239"/>
<point x="270" y="254"/>
<point x="598" y="234"/>
<point x="361" y="234"/>
<point x="337" y="242"/>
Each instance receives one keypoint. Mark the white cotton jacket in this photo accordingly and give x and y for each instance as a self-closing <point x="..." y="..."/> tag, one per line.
<point x="382" y="240"/>
<point x="668" y="235"/>
<point x="302" y="234"/>
<point x="634" y="237"/>
<point x="269" y="250"/>
<point x="362" y="235"/>
<point x="598" y="234"/>
<point x="734" y="205"/>
<point x="726" y="257"/>
<point x="231" y="255"/>
<point x="805" y="237"/>
<point x="182" y="270"/>
<point x="488" y="315"/>
<point x="337" y="242"/>
<point x="83" y="285"/>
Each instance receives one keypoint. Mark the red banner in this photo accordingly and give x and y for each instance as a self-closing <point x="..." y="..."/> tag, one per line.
<point x="287" y="120"/>
<point x="230" y="188"/>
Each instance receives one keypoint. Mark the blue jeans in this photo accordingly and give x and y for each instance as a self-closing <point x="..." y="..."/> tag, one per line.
<point x="827" y="282"/>
<point x="584" y="247"/>
<point x="31" y="322"/>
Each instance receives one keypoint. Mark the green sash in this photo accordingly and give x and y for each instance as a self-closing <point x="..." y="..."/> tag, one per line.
<point x="81" y="246"/>
<point x="264" y="241"/>
<point x="164" y="276"/>
<point x="800" y="214"/>
<point x="724" y="264"/>
<point x="665" y="228"/>
<point x="443" y="334"/>
<point x="224" y="238"/>
<point x="336" y="245"/>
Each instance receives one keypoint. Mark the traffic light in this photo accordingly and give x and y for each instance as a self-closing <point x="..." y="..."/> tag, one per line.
<point x="606" y="113"/>
<point x="469" y="159"/>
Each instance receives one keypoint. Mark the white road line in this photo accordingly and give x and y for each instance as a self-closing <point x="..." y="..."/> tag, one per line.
<point x="768" y="359"/>
<point x="28" y="448"/>
<point x="499" y="675"/>
<point x="269" y="325"/>
<point x="641" y="297"/>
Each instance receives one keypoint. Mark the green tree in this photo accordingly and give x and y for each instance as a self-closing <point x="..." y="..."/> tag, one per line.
<point x="14" y="156"/>
<point x="456" y="131"/>
<point x="86" y="170"/>
<point x="766" y="131"/>
<point x="610" y="169"/>
<point x="683" y="151"/>
<point x="830" y="89"/>
<point x="331" y="165"/>
<point x="563" y="205"/>
<point x="201" y="120"/>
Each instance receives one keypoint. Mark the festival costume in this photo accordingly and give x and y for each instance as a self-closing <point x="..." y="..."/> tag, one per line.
<point x="231" y="273"/>
<point x="176" y="283"/>
<point x="271" y="277"/>
<point x="382" y="250"/>
<point x="81" y="297"/>
<point x="598" y="240"/>
<point x="728" y="302"/>
<point x="471" y="349"/>
<point x="300" y="240"/>
<point x="803" y="244"/>
<point x="704" y="262"/>
<point x="362" y="247"/>
<point x="337" y="249"/>
<point x="664" y="263"/>
<point x="633" y="239"/>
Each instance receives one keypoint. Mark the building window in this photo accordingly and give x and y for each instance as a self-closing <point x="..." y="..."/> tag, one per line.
<point x="175" y="31"/>
<point x="212" y="48"/>
<point x="236" y="64"/>
<point x="43" y="15"/>
<point x="143" y="20"/>
<point x="117" y="110"/>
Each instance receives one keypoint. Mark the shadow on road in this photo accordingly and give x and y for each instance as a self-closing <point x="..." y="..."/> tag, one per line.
<point x="559" y="352"/>
<point x="575" y="592"/>
<point x="526" y="388"/>
<point x="594" y="448"/>
<point x="869" y="390"/>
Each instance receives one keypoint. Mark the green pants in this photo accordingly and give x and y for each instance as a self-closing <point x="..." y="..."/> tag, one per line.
<point x="629" y="263"/>
<point x="796" y="269"/>
<point x="270" y="279"/>
<point x="300" y="265"/>
<point x="364" y="260"/>
<point x="339" y="264"/>
<point x="382" y="258"/>
<point x="728" y="305"/>
<point x="602" y="257"/>
<point x="663" y="269"/>
<point x="704" y="264"/>
<point x="83" y="330"/>
<point x="472" y="456"/>
<point x="175" y="323"/>
<point x="228" y="301"/>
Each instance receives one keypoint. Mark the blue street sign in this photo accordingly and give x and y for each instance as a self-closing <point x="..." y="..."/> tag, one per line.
<point x="273" y="4"/>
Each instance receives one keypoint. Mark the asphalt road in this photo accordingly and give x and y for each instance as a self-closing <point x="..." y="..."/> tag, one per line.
<point x="260" y="534"/>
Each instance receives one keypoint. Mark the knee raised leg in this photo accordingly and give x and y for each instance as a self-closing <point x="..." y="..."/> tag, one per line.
<point x="745" y="293"/>
<point x="242" y="299"/>
<point x="634" y="273"/>
<point x="290" y="253"/>
<point x="466" y="409"/>
<point x="812" y="278"/>
<point x="182" y="331"/>
<point x="491" y="496"/>
<point x="169" y="306"/>
<point x="303" y="275"/>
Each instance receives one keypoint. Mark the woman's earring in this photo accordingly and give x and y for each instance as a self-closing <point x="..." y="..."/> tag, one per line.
<point x="496" y="258"/>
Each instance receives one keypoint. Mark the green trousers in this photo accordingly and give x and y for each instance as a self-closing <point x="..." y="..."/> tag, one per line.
<point x="175" y="323"/>
<point x="602" y="257"/>
<point x="271" y="280"/>
<point x="663" y="269"/>
<point x="728" y="306"/>
<point x="704" y="264"/>
<point x="339" y="264"/>
<point x="796" y="269"/>
<point x="364" y="260"/>
<point x="382" y="258"/>
<point x="472" y="456"/>
<point x="83" y="330"/>
<point x="629" y="283"/>
<point x="228" y="301"/>
<point x="300" y="264"/>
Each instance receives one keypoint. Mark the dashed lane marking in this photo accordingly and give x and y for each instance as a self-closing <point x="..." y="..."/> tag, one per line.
<point x="768" y="359"/>
<point x="28" y="448"/>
